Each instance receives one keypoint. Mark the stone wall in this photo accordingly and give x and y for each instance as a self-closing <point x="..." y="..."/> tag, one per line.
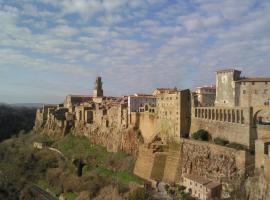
<point x="144" y="163"/>
<point x="200" y="158"/>
<point x="253" y="93"/>
<point x="233" y="124"/>
<point x="146" y="122"/>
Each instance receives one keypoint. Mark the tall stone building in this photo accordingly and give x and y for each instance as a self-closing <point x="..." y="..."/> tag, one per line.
<point x="173" y="113"/>
<point x="234" y="90"/>
<point x="226" y="90"/>
<point x="98" y="91"/>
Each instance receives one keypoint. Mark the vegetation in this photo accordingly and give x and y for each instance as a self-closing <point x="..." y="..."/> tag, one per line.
<point x="236" y="146"/>
<point x="15" y="120"/>
<point x="178" y="192"/>
<point x="201" y="134"/>
<point x="139" y="194"/>
<point x="221" y="141"/>
<point x="23" y="165"/>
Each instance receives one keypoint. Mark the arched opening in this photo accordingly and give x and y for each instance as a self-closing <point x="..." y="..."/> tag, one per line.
<point x="262" y="117"/>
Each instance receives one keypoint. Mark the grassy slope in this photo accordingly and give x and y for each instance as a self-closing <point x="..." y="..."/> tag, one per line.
<point x="20" y="162"/>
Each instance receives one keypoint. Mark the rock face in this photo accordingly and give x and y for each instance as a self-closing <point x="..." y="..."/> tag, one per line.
<point x="105" y="129"/>
<point x="206" y="160"/>
<point x="258" y="186"/>
<point x="194" y="157"/>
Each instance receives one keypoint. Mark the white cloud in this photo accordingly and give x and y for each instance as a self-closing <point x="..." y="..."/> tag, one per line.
<point x="64" y="31"/>
<point x="154" y="43"/>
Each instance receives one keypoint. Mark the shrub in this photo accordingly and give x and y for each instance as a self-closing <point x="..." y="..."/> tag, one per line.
<point x="221" y="141"/>
<point x="237" y="146"/>
<point x="139" y="194"/>
<point x="201" y="135"/>
<point x="167" y="187"/>
<point x="181" y="187"/>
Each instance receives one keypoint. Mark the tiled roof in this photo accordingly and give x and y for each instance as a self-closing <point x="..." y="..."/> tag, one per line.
<point x="202" y="180"/>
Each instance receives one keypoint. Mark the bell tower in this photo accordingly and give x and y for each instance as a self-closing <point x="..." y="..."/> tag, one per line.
<point x="98" y="91"/>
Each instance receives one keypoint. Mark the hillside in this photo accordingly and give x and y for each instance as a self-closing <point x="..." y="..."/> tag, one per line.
<point x="102" y="173"/>
<point x="14" y="120"/>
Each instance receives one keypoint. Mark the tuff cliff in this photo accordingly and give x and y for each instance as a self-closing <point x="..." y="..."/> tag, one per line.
<point x="55" y="121"/>
<point x="215" y="162"/>
<point x="258" y="186"/>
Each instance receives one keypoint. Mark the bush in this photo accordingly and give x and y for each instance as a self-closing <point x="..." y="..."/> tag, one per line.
<point x="237" y="146"/>
<point x="167" y="187"/>
<point x="221" y="141"/>
<point x="181" y="187"/>
<point x="201" y="135"/>
<point x="139" y="194"/>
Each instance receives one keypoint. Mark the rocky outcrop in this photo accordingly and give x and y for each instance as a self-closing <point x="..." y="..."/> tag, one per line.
<point x="204" y="159"/>
<point x="210" y="161"/>
<point x="258" y="186"/>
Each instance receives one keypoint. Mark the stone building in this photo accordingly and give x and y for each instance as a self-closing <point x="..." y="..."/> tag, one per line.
<point x="137" y="100"/>
<point x="98" y="91"/>
<point x="168" y="118"/>
<point x="71" y="101"/>
<point x="234" y="90"/>
<point x="173" y="113"/>
<point x="238" y="107"/>
<point x="201" y="187"/>
<point x="205" y="96"/>
<point x="85" y="115"/>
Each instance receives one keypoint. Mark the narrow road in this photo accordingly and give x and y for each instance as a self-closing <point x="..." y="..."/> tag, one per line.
<point x="46" y="195"/>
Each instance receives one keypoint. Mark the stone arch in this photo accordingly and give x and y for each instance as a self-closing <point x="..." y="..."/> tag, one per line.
<point x="262" y="117"/>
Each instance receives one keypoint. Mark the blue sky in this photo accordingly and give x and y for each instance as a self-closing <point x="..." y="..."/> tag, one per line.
<point x="51" y="48"/>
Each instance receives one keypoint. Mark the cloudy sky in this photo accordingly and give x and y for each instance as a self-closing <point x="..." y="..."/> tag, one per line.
<point x="51" y="48"/>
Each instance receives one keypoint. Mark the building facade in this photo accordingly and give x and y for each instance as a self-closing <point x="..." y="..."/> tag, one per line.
<point x="205" y="96"/>
<point x="173" y="113"/>
<point x="233" y="90"/>
<point x="202" y="188"/>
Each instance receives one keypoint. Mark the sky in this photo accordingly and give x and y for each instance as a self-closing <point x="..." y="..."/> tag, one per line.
<point x="52" y="48"/>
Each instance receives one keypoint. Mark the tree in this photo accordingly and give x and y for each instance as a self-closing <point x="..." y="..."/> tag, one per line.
<point x="201" y="135"/>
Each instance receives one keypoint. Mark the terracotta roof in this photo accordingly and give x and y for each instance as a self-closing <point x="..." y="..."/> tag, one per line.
<point x="202" y="180"/>
<point x="206" y="87"/>
<point x="255" y="79"/>
<point x="170" y="89"/>
<point x="143" y="95"/>
<point x="212" y="185"/>
<point x="71" y="95"/>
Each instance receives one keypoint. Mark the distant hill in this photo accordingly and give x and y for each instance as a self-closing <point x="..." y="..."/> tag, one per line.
<point x="28" y="105"/>
<point x="14" y="119"/>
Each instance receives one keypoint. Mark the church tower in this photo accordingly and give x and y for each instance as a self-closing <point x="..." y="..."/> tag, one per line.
<point x="98" y="91"/>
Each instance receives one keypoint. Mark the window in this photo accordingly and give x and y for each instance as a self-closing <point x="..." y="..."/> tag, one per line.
<point x="255" y="92"/>
<point x="266" y="83"/>
<point x="253" y="83"/>
<point x="244" y="91"/>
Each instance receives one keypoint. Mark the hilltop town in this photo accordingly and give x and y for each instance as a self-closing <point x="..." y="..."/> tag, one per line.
<point x="207" y="140"/>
